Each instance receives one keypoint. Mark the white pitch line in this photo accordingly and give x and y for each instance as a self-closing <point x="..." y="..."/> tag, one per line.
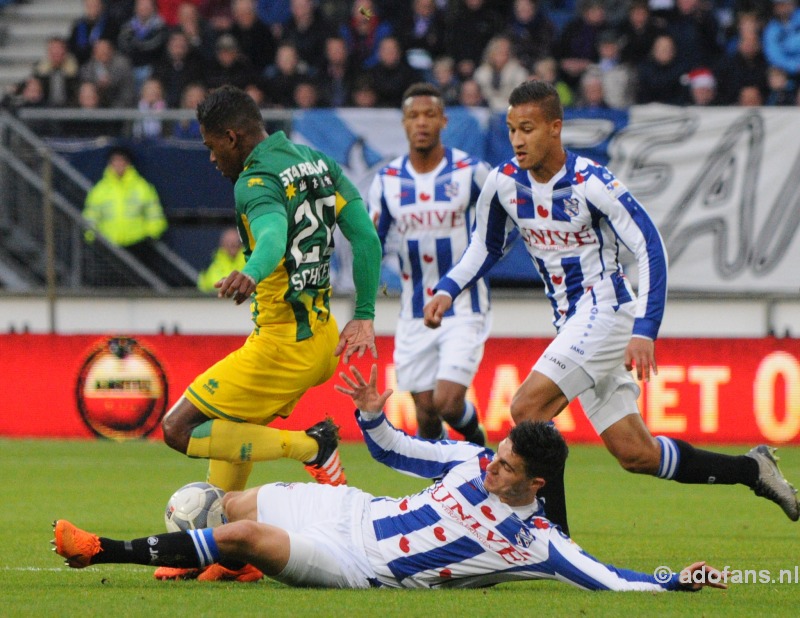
<point x="130" y="569"/>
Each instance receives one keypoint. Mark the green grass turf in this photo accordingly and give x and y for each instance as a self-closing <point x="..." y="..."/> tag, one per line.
<point x="119" y="490"/>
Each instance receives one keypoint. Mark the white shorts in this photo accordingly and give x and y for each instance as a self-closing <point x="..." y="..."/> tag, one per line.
<point x="324" y="524"/>
<point x="586" y="360"/>
<point x="423" y="356"/>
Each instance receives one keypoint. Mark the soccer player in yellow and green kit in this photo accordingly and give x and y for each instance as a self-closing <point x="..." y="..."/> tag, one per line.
<point x="289" y="199"/>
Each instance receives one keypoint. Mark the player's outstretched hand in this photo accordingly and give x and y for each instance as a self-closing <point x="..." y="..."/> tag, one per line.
<point x="641" y="353"/>
<point x="357" y="337"/>
<point x="365" y="395"/>
<point x="699" y="574"/>
<point x="237" y="286"/>
<point x="435" y="309"/>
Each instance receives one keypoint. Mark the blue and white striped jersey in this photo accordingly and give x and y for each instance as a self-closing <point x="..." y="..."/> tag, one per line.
<point x="572" y="227"/>
<point x="429" y="217"/>
<point x="456" y="534"/>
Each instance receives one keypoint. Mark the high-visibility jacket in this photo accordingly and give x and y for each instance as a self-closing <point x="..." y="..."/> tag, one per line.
<point x="126" y="210"/>
<point x="221" y="266"/>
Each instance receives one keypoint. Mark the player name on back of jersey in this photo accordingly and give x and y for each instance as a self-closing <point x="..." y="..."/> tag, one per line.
<point x="301" y="170"/>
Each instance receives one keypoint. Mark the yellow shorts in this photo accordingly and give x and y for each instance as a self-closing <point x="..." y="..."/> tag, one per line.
<point x="266" y="377"/>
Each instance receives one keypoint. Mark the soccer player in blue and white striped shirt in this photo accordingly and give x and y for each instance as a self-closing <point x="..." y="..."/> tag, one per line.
<point x="574" y="216"/>
<point x="479" y="525"/>
<point x="423" y="205"/>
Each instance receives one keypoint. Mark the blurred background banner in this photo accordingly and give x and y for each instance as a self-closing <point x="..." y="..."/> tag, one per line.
<point x="707" y="391"/>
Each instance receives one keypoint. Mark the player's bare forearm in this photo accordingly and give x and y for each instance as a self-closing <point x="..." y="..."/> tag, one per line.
<point x="641" y="353"/>
<point x="357" y="337"/>
<point x="237" y="286"/>
<point x="434" y="311"/>
<point x="364" y="394"/>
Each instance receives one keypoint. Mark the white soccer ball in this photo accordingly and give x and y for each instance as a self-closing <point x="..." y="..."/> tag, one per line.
<point x="194" y="506"/>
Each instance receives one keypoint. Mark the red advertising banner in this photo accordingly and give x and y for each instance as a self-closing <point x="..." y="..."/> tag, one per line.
<point x="706" y="391"/>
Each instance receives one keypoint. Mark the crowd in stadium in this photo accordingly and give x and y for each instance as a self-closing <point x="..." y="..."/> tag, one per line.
<point x="290" y="54"/>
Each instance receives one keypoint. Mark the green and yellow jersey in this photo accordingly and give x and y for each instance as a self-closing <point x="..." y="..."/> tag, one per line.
<point x="310" y="190"/>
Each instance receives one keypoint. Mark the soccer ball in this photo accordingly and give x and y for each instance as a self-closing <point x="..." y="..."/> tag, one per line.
<point x="194" y="506"/>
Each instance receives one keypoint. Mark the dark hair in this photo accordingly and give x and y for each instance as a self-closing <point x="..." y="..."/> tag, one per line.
<point x="541" y="446"/>
<point x="229" y="107"/>
<point x="120" y="151"/>
<point x="422" y="89"/>
<point x="539" y="93"/>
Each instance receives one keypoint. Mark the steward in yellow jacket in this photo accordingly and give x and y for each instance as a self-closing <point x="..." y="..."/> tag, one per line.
<point x="123" y="206"/>
<point x="220" y="267"/>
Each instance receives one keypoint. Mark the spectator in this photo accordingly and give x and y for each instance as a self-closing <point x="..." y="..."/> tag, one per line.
<point x="281" y="78"/>
<point x="29" y="93"/>
<point x="336" y="77"/>
<point x="218" y="15"/>
<point x="192" y="96"/>
<point x="143" y="39"/>
<point x="782" y="89"/>
<point x="364" y="94"/>
<point x="151" y="99"/>
<point x="637" y="33"/>
<point x="470" y="27"/>
<point x="58" y="72"/>
<point x="499" y="73"/>
<point x="660" y="76"/>
<point x="308" y="32"/>
<point x="111" y="72"/>
<point x="179" y="67"/>
<point x="392" y="75"/>
<point x="444" y="78"/>
<point x="750" y="96"/>
<point x="88" y="99"/>
<point x="169" y="10"/>
<point x="702" y="87"/>
<point x="470" y="95"/>
<point x="591" y="94"/>
<point x="228" y="256"/>
<point x="305" y="95"/>
<point x="531" y="32"/>
<point x="747" y="66"/>
<point x="363" y="34"/>
<point x="619" y="79"/>
<point x="256" y="92"/>
<point x="421" y="34"/>
<point x="782" y="37"/>
<point x="253" y="35"/>
<point x="546" y="70"/>
<point x="198" y="32"/>
<point x="577" y="47"/>
<point x="93" y="25"/>
<point x="275" y="13"/>
<point x="229" y="66"/>
<point x="695" y="27"/>
<point x="120" y="11"/>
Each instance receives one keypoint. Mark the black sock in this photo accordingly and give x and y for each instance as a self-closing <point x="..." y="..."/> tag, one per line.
<point x="697" y="466"/>
<point x="472" y="432"/>
<point x="173" y="549"/>
<point x="233" y="565"/>
<point x="555" y="500"/>
<point x="470" y="428"/>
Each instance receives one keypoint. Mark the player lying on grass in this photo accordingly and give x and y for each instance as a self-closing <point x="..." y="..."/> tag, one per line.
<point x="479" y="525"/>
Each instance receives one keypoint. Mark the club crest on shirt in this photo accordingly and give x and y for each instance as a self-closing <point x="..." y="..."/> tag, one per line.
<point x="451" y="189"/>
<point x="572" y="207"/>
<point x="524" y="537"/>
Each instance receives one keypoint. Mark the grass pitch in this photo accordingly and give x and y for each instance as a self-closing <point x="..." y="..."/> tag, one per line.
<point x="120" y="489"/>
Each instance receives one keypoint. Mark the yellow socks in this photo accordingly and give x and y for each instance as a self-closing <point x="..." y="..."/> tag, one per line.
<point x="245" y="442"/>
<point x="229" y="476"/>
